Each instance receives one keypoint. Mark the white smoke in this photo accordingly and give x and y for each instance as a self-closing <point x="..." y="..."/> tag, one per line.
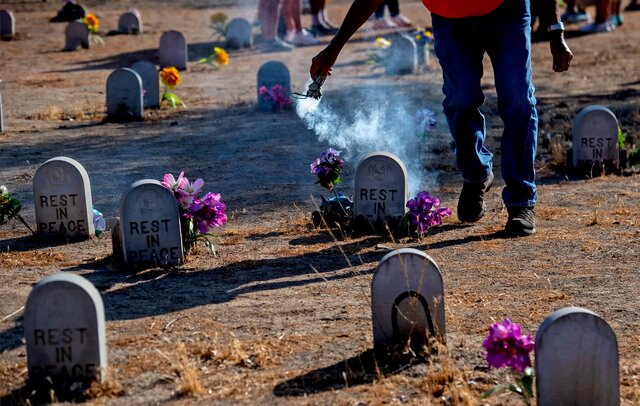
<point x="365" y="122"/>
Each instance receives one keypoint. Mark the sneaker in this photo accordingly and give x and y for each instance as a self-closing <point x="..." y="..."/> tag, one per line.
<point x="401" y="21"/>
<point x="321" y="30"/>
<point x="275" y="45"/>
<point x="471" y="202"/>
<point x="579" y="17"/>
<point x="383" y="24"/>
<point x="301" y="38"/>
<point x="521" y="222"/>
<point x="597" y="27"/>
<point x="617" y="20"/>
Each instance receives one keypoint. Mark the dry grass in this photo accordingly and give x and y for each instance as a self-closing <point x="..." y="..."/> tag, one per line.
<point x="87" y="110"/>
<point x="109" y="388"/>
<point x="187" y="375"/>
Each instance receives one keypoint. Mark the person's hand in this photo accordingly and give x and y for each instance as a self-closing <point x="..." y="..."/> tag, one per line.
<point x="561" y="53"/>
<point x="321" y="64"/>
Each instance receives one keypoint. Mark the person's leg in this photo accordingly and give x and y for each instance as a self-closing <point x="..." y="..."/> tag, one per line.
<point x="460" y="50"/>
<point x="295" y="34"/>
<point x="394" y="11"/>
<point x="394" y="7"/>
<point x="509" y="47"/>
<point x="268" y="18"/>
<point x="603" y="11"/>
<point x="379" y="13"/>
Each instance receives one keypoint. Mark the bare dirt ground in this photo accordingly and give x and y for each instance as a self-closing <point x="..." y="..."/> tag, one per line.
<point x="282" y="314"/>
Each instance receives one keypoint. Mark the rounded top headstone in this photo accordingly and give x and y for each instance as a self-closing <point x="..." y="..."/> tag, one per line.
<point x="595" y="136"/>
<point x="239" y="34"/>
<point x="407" y="280"/>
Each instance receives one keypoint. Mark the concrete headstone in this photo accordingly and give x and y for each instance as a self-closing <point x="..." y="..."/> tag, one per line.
<point x="77" y="35"/>
<point x="124" y="95"/>
<point x="271" y="74"/>
<point x="62" y="194"/>
<point x="7" y="24"/>
<point x="595" y="137"/>
<point x="130" y="23"/>
<point x="150" y="83"/>
<point x="65" y="331"/>
<point x="239" y="34"/>
<point x="576" y="360"/>
<point x="380" y="187"/>
<point x="150" y="226"/>
<point x="173" y="50"/>
<point x="401" y="57"/>
<point x="407" y="298"/>
<point x="1" y="116"/>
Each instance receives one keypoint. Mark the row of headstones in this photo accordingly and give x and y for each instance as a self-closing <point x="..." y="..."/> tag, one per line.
<point x="150" y="231"/>
<point x="77" y="32"/>
<point x="131" y="90"/>
<point x="576" y="350"/>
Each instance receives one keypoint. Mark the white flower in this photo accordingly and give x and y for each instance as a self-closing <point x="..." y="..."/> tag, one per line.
<point x="3" y="190"/>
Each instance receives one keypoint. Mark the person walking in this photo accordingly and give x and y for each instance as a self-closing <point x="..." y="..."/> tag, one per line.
<point x="295" y="34"/>
<point x="464" y="30"/>
<point x="395" y="18"/>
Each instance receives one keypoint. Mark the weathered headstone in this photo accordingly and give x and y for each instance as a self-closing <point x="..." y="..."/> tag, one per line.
<point x="62" y="194"/>
<point x="65" y="331"/>
<point x="150" y="226"/>
<point x="77" y="35"/>
<point x="407" y="299"/>
<point x="1" y="116"/>
<point x="173" y="50"/>
<point x="271" y="74"/>
<point x="595" y="137"/>
<point x="576" y="360"/>
<point x="124" y="95"/>
<point x="7" y="24"/>
<point x="150" y="83"/>
<point x="130" y="23"/>
<point x="239" y="34"/>
<point x="380" y="187"/>
<point x="401" y="57"/>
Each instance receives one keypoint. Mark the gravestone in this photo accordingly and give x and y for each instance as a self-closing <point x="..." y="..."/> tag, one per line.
<point x="65" y="331"/>
<point x="150" y="226"/>
<point x="7" y="24"/>
<point x="124" y="95"/>
<point x="77" y="35"/>
<point x="62" y="195"/>
<point x="271" y="74"/>
<point x="380" y="187"/>
<point x="239" y="34"/>
<point x="595" y="137"/>
<point x="1" y="116"/>
<point x="407" y="299"/>
<point x="150" y="83"/>
<point x="401" y="57"/>
<point x="70" y="12"/>
<point x="173" y="50"/>
<point x="576" y="360"/>
<point x="130" y="23"/>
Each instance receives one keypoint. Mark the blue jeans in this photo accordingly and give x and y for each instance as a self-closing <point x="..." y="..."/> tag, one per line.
<point x="460" y="44"/>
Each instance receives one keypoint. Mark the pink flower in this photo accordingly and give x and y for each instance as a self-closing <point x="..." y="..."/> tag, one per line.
<point x="172" y="183"/>
<point x="507" y="347"/>
<point x="208" y="212"/>
<point x="424" y="212"/>
<point x="192" y="188"/>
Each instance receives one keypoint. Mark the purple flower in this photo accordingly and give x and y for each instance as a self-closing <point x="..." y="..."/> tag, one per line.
<point x="507" y="347"/>
<point x="425" y="121"/>
<point x="277" y="96"/>
<point x="207" y="212"/>
<point x="328" y="167"/>
<point x="424" y="212"/>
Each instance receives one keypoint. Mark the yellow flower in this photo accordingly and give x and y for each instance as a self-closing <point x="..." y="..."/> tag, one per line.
<point x="170" y="77"/>
<point x="383" y="42"/>
<point x="218" y="18"/>
<point x="222" y="57"/>
<point x="428" y="34"/>
<point x="92" y="22"/>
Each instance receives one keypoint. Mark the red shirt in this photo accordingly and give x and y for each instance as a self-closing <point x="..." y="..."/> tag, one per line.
<point x="461" y="8"/>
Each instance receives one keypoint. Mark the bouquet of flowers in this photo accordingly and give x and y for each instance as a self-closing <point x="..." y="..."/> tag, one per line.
<point x="93" y="23"/>
<point x="425" y="212"/>
<point x="218" y="23"/>
<point x="170" y="78"/>
<point x="200" y="213"/>
<point x="375" y="57"/>
<point x="507" y="347"/>
<point x="338" y="209"/>
<point x="218" y="58"/>
<point x="10" y="207"/>
<point x="276" y="96"/>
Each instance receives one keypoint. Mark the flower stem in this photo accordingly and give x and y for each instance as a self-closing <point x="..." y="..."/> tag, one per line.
<point x="335" y="193"/>
<point x="25" y="223"/>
